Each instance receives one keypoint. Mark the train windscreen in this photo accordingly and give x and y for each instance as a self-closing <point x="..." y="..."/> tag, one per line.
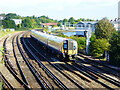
<point x="65" y="45"/>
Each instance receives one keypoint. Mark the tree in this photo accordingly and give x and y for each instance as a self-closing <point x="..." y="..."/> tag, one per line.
<point x="27" y="23"/>
<point x="81" y="42"/>
<point x="115" y="49"/>
<point x="87" y="19"/>
<point x="12" y="16"/>
<point x="65" y="20"/>
<point x="79" y="20"/>
<point x="7" y="23"/>
<point x="33" y="23"/>
<point x="71" y="20"/>
<point x="99" y="46"/>
<point x="92" y="40"/>
<point x="19" y="26"/>
<point x="59" y="24"/>
<point x="83" y="19"/>
<point x="104" y="29"/>
<point x="93" y="37"/>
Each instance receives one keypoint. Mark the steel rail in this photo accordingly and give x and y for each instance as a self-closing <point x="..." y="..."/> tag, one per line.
<point x="58" y="68"/>
<point x="113" y="81"/>
<point x="99" y="63"/>
<point x="5" y="56"/>
<point x="93" y="78"/>
<point x="79" y="69"/>
<point x="98" y="67"/>
<point x="11" y="70"/>
<point x="21" y="71"/>
<point x="48" y="71"/>
<point x="6" y="82"/>
<point x="34" y="71"/>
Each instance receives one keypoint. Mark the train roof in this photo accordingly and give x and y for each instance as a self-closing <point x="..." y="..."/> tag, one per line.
<point x="50" y="37"/>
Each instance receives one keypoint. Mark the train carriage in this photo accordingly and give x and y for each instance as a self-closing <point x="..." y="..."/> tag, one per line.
<point x="61" y="46"/>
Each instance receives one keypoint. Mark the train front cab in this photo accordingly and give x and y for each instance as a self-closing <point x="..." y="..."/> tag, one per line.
<point x="69" y="48"/>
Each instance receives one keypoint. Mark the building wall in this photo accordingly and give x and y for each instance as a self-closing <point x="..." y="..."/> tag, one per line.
<point x="17" y="21"/>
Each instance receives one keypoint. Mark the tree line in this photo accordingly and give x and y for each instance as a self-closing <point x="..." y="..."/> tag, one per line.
<point x="34" y="22"/>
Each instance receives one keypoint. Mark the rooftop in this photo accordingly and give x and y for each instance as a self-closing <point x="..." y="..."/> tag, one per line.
<point x="48" y="24"/>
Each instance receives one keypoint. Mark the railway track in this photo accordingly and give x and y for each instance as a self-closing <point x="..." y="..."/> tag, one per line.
<point x="115" y="82"/>
<point x="5" y="57"/>
<point x="25" y="82"/>
<point x="7" y="83"/>
<point x="95" y="76"/>
<point x="63" y="73"/>
<point x="48" y="71"/>
<point x="56" y="80"/>
<point x="11" y="69"/>
<point x="101" y="66"/>
<point x="37" y="75"/>
<point x="111" y="83"/>
<point x="19" y="60"/>
<point x="92" y="60"/>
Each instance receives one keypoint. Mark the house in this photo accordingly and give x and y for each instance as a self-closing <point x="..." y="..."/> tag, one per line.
<point x="17" y="21"/>
<point x="49" y="24"/>
<point x="1" y="17"/>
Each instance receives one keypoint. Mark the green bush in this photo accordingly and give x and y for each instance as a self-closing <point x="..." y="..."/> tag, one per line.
<point x="115" y="49"/>
<point x="99" y="46"/>
<point x="7" y="30"/>
<point x="81" y="42"/>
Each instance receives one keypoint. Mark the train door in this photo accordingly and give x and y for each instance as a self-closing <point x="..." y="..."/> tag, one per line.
<point x="70" y="47"/>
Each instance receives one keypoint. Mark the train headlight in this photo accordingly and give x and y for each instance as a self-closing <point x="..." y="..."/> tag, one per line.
<point x="65" y="51"/>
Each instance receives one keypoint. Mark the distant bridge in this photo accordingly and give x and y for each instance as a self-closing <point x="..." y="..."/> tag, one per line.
<point x="75" y="30"/>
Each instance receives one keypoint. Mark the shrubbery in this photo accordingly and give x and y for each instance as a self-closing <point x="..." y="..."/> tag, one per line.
<point x="81" y="42"/>
<point x="115" y="49"/>
<point x="99" y="46"/>
<point x="106" y="39"/>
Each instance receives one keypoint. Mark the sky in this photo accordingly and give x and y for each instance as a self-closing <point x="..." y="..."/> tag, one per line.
<point x="60" y="9"/>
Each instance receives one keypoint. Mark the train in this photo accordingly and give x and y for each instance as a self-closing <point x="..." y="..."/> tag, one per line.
<point x="62" y="47"/>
